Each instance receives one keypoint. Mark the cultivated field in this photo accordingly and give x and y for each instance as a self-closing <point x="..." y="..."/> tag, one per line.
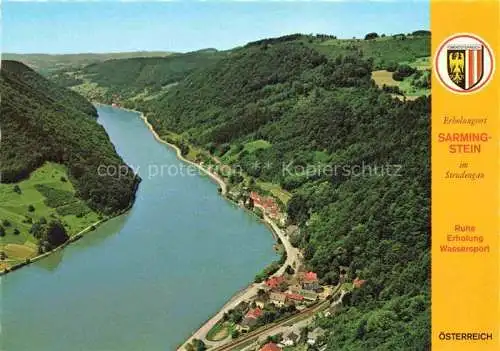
<point x="47" y="193"/>
<point x="384" y="77"/>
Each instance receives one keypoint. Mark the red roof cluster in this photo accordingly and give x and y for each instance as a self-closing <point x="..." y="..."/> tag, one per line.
<point x="296" y="297"/>
<point x="267" y="203"/>
<point x="358" y="282"/>
<point x="254" y="313"/>
<point x="275" y="282"/>
<point x="310" y="277"/>
<point x="256" y="198"/>
<point x="270" y="347"/>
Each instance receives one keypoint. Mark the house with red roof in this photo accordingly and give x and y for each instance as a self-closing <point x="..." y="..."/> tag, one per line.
<point x="251" y="317"/>
<point x="310" y="281"/>
<point x="275" y="282"/>
<point x="270" y="347"/>
<point x="358" y="283"/>
<point x="310" y="276"/>
<point x="257" y="201"/>
<point x="294" y="297"/>
<point x="267" y="204"/>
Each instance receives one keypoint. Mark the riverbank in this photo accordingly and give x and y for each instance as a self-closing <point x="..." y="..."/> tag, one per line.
<point x="75" y="237"/>
<point x="215" y="177"/>
<point x="293" y="254"/>
<point x="138" y="265"/>
<point x="293" y="259"/>
<point x="71" y="240"/>
<point x="222" y="184"/>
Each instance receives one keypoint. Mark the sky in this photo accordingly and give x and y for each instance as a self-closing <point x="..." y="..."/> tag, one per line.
<point x="181" y="26"/>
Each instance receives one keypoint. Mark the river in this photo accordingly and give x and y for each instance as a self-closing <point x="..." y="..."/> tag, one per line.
<point x="145" y="280"/>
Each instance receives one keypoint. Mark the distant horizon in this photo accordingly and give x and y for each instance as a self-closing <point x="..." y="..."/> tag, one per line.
<point x="186" y="52"/>
<point x="91" y="53"/>
<point x="71" y="28"/>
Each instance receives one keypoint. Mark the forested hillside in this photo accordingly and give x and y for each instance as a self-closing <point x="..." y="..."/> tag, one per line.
<point x="385" y="51"/>
<point x="47" y="63"/>
<point x="42" y="122"/>
<point x="359" y="173"/>
<point x="139" y="77"/>
<point x="134" y="80"/>
<point x="303" y="112"/>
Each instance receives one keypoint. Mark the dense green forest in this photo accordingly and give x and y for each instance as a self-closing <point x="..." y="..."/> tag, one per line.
<point x="43" y="122"/>
<point x="121" y="79"/>
<point x="136" y="80"/>
<point x="315" y="109"/>
<point x="355" y="159"/>
<point x="384" y="51"/>
<point x="48" y="63"/>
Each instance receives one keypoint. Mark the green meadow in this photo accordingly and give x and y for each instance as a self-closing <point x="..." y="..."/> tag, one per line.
<point x="407" y="85"/>
<point x="48" y="194"/>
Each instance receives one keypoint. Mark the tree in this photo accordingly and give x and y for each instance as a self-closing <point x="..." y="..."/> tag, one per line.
<point x="392" y="89"/>
<point x="53" y="235"/>
<point x="421" y="33"/>
<point x="251" y="182"/>
<point x="391" y="66"/>
<point x="2" y="231"/>
<point x="371" y="36"/>
<point x="197" y="345"/>
<point x="223" y="149"/>
<point x="283" y="286"/>
<point x="258" y="211"/>
<point x="16" y="231"/>
<point x="36" y="229"/>
<point x="235" y="334"/>
<point x="31" y="208"/>
<point x="6" y="223"/>
<point x="17" y="189"/>
<point x="250" y="203"/>
<point x="235" y="178"/>
<point x="402" y="72"/>
<point x="236" y="316"/>
<point x="298" y="210"/>
<point x="184" y="147"/>
<point x="56" y="233"/>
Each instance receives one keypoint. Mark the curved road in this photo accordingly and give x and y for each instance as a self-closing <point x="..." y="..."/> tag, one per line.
<point x="212" y="175"/>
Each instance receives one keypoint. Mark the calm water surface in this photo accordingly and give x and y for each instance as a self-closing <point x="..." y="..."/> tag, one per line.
<point x="142" y="281"/>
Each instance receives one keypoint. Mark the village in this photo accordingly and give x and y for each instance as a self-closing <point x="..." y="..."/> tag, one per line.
<point x="278" y="315"/>
<point x="276" y="311"/>
<point x="278" y="297"/>
<point x="285" y="291"/>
